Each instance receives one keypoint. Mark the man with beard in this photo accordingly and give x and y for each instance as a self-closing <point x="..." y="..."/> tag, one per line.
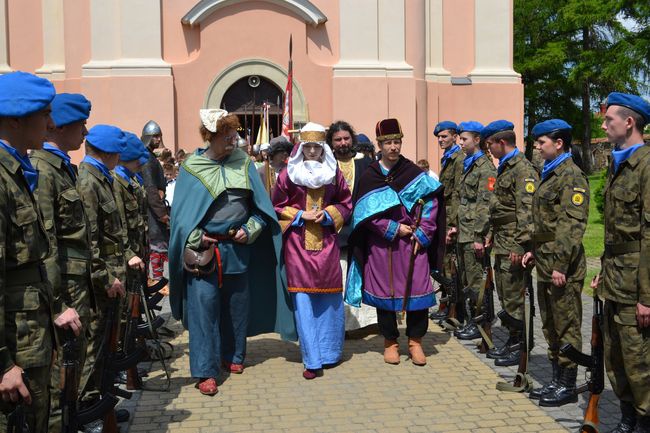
<point x="155" y="185"/>
<point x="342" y="139"/>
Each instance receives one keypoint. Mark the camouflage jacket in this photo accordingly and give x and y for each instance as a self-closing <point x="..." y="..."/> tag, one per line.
<point x="560" y="212"/>
<point x="25" y="294"/>
<point x="132" y="203"/>
<point x="450" y="178"/>
<point x="625" y="263"/>
<point x="65" y="220"/>
<point x="510" y="206"/>
<point x="474" y="209"/>
<point x="107" y="239"/>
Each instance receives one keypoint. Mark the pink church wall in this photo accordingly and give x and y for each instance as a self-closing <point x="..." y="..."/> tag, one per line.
<point x="260" y="30"/>
<point x="220" y="46"/>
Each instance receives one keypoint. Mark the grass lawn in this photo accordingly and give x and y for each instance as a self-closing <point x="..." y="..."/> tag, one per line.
<point x="594" y="235"/>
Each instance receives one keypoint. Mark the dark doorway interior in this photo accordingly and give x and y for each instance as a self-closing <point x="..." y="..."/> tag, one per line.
<point x="245" y="98"/>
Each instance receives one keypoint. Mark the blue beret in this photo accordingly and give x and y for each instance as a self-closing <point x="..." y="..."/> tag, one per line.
<point x="69" y="108"/>
<point x="363" y="138"/>
<point x="548" y="126"/>
<point x="134" y="149"/>
<point x="497" y="126"/>
<point x="446" y="124"/>
<point x="22" y="94"/>
<point x="107" y="138"/>
<point x="471" y="126"/>
<point x="633" y="102"/>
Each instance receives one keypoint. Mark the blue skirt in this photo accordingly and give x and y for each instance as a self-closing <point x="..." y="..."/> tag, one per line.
<point x="320" y="320"/>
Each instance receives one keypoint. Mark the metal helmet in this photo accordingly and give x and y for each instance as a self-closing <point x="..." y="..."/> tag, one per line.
<point x="150" y="128"/>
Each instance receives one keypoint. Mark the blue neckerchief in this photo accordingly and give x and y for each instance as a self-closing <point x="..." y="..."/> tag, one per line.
<point x="448" y="153"/>
<point x="469" y="160"/>
<point x="99" y="166"/>
<point x="384" y="170"/>
<point x="124" y="173"/>
<point x="505" y="158"/>
<point x="549" y="166"/>
<point x="29" y="172"/>
<point x="139" y="178"/>
<point x="64" y="156"/>
<point x="620" y="156"/>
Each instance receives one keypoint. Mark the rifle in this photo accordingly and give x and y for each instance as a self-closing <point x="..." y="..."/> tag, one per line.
<point x="133" y="380"/>
<point x="485" y="307"/>
<point x="523" y="381"/>
<point x="414" y="252"/>
<point x="17" y="419"/>
<point x="114" y="362"/>
<point x="595" y="365"/>
<point x="71" y="417"/>
<point x="451" y="286"/>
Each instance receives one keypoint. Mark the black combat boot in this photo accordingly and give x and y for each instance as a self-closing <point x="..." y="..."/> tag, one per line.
<point x="441" y="314"/>
<point x="628" y="418"/>
<point x="642" y="424"/>
<point x="565" y="392"/>
<point x="501" y="351"/>
<point x="537" y="393"/>
<point x="509" y="359"/>
<point x="471" y="332"/>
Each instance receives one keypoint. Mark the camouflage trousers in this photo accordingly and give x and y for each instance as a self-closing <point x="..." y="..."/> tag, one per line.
<point x="509" y="281"/>
<point x="627" y="355"/>
<point x="37" y="413"/>
<point x="561" y="312"/>
<point x="471" y="269"/>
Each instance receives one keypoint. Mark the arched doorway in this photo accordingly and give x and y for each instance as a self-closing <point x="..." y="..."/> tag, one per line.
<point x="267" y="71"/>
<point x="246" y="97"/>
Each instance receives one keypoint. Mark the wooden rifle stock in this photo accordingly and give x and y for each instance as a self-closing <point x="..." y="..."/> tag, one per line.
<point x="595" y="364"/>
<point x="112" y="320"/>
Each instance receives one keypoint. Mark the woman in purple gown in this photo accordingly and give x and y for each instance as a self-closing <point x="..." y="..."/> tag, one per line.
<point x="313" y="201"/>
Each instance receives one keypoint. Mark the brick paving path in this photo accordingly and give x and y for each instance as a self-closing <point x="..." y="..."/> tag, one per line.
<point x="455" y="392"/>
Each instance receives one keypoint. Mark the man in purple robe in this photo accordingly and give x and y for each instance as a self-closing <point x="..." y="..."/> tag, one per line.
<point x="398" y="228"/>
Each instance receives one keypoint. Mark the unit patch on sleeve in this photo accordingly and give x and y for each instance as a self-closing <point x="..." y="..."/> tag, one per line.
<point x="530" y="185"/>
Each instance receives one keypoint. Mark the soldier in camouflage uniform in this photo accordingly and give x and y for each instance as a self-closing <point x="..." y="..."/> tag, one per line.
<point x="132" y="203"/>
<point x="625" y="276"/>
<point x="68" y="265"/>
<point x="108" y="271"/>
<point x="473" y="215"/>
<point x="26" y="322"/>
<point x="560" y="212"/>
<point x="511" y="222"/>
<point x="451" y="170"/>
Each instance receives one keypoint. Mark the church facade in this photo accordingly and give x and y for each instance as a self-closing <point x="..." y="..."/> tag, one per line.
<point x="420" y="61"/>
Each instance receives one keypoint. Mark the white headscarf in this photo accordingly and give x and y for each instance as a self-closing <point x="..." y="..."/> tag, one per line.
<point x="210" y="117"/>
<point x="312" y="174"/>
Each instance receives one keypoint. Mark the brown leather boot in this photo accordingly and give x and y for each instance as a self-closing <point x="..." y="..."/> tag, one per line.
<point x="416" y="352"/>
<point x="391" y="352"/>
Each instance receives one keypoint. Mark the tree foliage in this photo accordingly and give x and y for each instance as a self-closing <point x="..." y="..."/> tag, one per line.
<point x="572" y="53"/>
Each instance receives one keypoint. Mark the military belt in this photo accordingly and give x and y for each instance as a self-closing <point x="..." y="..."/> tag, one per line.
<point x="622" y="248"/>
<point x="109" y="250"/>
<point x="74" y="253"/>
<point x="501" y="221"/>
<point x="542" y="237"/>
<point x="27" y="274"/>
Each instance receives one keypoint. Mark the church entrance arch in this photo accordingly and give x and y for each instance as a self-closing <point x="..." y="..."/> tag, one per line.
<point x="244" y="86"/>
